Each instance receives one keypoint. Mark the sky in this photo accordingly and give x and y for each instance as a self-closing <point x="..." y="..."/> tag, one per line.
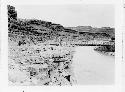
<point x="70" y="15"/>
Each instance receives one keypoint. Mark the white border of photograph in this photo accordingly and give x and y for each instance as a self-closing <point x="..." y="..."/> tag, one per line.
<point x="123" y="49"/>
<point x="85" y="88"/>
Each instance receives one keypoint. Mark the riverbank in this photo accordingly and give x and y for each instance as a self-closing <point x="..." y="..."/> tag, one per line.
<point x="107" y="50"/>
<point x="107" y="53"/>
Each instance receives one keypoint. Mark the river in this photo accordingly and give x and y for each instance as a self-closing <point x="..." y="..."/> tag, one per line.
<point x="91" y="67"/>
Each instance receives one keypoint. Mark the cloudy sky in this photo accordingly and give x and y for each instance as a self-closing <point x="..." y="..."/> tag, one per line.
<point x="70" y="15"/>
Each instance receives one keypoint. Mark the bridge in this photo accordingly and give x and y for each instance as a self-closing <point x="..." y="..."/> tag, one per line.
<point x="91" y="44"/>
<point x="83" y="44"/>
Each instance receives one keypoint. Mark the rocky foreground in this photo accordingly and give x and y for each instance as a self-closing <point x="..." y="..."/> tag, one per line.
<point x="40" y="65"/>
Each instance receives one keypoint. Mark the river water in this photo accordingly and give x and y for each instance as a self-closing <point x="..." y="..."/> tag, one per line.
<point x="91" y="67"/>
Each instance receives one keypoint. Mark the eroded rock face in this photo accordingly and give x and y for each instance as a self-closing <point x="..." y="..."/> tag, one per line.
<point x="12" y="13"/>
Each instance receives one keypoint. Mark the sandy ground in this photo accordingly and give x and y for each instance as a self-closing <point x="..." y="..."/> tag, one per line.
<point x="91" y="67"/>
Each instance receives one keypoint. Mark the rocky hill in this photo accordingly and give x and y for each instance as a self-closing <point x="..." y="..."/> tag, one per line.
<point x="47" y="30"/>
